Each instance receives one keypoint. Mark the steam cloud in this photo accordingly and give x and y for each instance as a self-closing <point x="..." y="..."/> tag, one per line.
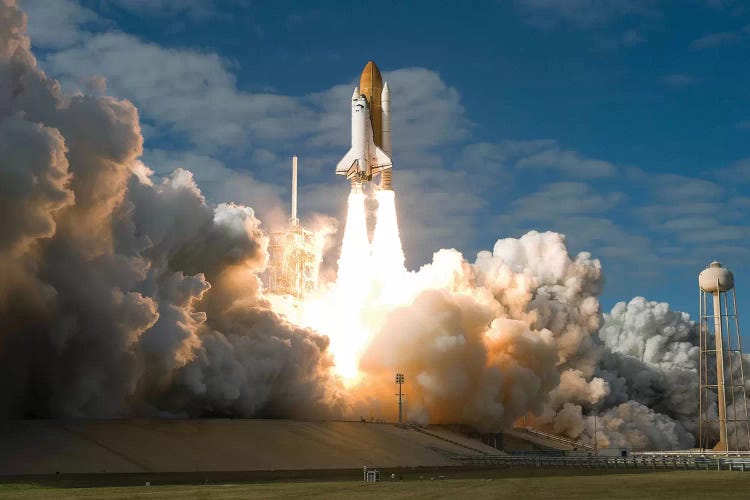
<point x="125" y="294"/>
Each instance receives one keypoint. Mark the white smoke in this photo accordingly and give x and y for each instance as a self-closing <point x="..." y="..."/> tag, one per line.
<point x="652" y="333"/>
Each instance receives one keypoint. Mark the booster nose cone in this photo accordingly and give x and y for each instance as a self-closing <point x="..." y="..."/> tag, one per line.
<point x="355" y="94"/>
<point x="386" y="92"/>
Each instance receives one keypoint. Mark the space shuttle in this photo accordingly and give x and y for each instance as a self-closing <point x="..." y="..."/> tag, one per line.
<point x="370" y="153"/>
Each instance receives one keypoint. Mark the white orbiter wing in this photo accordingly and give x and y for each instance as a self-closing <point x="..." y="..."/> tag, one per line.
<point x="380" y="160"/>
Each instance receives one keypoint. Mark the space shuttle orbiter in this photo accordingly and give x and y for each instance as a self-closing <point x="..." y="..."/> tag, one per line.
<point x="370" y="153"/>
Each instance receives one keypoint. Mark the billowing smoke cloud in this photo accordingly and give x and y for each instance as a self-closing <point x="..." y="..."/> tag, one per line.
<point x="651" y="363"/>
<point x="519" y="333"/>
<point x="127" y="294"/>
<point x="123" y="294"/>
<point x="644" y="388"/>
<point x="485" y="343"/>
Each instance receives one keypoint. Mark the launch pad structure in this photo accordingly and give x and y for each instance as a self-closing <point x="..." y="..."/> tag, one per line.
<point x="293" y="261"/>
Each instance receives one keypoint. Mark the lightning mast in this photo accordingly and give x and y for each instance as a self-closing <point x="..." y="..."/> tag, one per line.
<point x="293" y="220"/>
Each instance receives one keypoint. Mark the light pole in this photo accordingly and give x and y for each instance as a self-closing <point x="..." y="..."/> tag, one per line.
<point x="400" y="382"/>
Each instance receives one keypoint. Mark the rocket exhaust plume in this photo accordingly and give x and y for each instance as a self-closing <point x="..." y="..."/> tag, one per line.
<point x="339" y="311"/>
<point x="354" y="262"/>
<point x="387" y="254"/>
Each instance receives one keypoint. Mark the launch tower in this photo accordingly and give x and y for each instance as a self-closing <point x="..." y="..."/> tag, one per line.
<point x="723" y="400"/>
<point x="293" y="263"/>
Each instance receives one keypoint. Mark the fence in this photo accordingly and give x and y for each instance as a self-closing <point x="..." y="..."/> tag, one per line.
<point x="652" y="462"/>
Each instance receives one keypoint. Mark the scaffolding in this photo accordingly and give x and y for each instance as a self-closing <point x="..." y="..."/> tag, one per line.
<point x="293" y="260"/>
<point x="722" y="375"/>
<point x="293" y="264"/>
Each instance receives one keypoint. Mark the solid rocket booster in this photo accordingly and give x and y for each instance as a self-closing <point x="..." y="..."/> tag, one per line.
<point x="386" y="175"/>
<point x="370" y="131"/>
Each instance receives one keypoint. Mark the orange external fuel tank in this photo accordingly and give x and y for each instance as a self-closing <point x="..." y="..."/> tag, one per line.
<point x="371" y="86"/>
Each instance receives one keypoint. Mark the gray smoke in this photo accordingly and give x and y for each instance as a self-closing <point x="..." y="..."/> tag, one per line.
<point x="644" y="388"/>
<point x="123" y="294"/>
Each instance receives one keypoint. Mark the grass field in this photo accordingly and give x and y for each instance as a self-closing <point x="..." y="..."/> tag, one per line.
<point x="488" y="483"/>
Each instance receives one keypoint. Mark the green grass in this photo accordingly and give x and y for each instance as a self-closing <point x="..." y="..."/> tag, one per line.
<point x="488" y="483"/>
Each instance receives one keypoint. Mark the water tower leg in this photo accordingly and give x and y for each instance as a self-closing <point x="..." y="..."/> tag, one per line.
<point x="719" y="339"/>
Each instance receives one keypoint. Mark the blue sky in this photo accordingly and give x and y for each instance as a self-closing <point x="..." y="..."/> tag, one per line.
<point x="623" y="124"/>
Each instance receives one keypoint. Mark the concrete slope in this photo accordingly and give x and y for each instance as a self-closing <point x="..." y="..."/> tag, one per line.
<point x="467" y="443"/>
<point x="521" y="439"/>
<point x="143" y="445"/>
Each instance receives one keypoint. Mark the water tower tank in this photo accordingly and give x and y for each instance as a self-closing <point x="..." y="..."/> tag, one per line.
<point x="716" y="278"/>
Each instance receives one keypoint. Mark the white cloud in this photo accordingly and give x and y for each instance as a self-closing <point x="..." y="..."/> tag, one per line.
<point x="193" y="8"/>
<point x="711" y="40"/>
<point x="574" y="208"/>
<point x="193" y="94"/>
<point x="562" y="199"/>
<point x="737" y="172"/>
<point x="626" y="39"/>
<point x="679" y="79"/>
<point x="56" y="24"/>
<point x="500" y="158"/>
<point x="582" y="13"/>
<point x="570" y="163"/>
<point x="631" y="38"/>
<point x="703" y="215"/>
<point x="486" y="153"/>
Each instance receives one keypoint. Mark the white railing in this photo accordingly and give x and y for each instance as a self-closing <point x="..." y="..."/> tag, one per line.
<point x="674" y="462"/>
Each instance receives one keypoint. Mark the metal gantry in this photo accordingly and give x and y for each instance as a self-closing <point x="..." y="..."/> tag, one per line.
<point x="293" y="255"/>
<point x="293" y="262"/>
<point x="723" y="406"/>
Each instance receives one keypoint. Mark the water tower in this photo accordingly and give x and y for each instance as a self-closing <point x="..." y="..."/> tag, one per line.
<point x="724" y="424"/>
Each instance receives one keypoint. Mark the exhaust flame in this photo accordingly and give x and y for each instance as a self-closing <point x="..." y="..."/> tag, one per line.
<point x="371" y="281"/>
<point x="354" y="262"/>
<point x="339" y="309"/>
<point x="387" y="254"/>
